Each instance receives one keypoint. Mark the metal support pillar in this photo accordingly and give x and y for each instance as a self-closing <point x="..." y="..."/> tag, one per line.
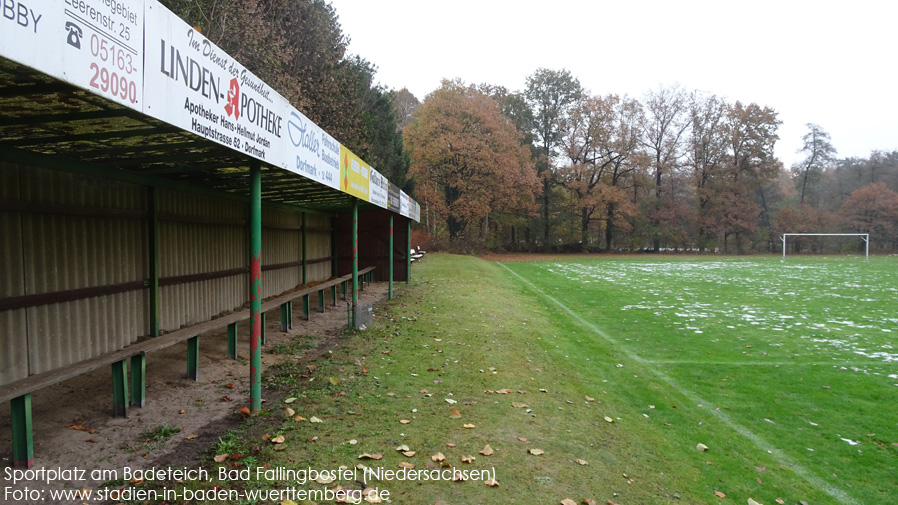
<point x="334" y="295"/>
<point x="232" y="341"/>
<point x="153" y="243"/>
<point x="306" y="308"/>
<point x="320" y="300"/>
<point x="22" y="433"/>
<point x="193" y="358"/>
<point x="408" y="255"/>
<point x="334" y="268"/>
<point x="120" y="389"/>
<point x="355" y="259"/>
<point x="139" y="380"/>
<point x="305" y="259"/>
<point x="343" y="289"/>
<point x="255" y="280"/>
<point x="390" y="260"/>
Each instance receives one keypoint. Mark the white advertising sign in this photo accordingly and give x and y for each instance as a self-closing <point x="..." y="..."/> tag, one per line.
<point x="378" y="189"/>
<point x="403" y="203"/>
<point x="416" y="214"/>
<point x="195" y="85"/>
<point x="310" y="151"/>
<point x="94" y="44"/>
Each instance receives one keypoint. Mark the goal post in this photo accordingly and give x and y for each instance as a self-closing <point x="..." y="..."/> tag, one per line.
<point x="864" y="236"/>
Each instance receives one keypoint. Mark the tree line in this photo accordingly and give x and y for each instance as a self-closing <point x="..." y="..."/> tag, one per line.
<point x="557" y="168"/>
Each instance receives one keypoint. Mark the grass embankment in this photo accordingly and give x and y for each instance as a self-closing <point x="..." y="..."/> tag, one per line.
<point x="533" y="368"/>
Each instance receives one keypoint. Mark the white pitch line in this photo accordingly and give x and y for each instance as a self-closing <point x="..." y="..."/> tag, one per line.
<point x="760" y="443"/>
<point x="765" y="363"/>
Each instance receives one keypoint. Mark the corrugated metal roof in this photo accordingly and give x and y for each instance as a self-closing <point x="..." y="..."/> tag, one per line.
<point x="44" y="121"/>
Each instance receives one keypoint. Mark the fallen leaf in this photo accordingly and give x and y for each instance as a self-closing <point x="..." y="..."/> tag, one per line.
<point x="568" y="501"/>
<point x="391" y="394"/>
<point x="192" y="436"/>
<point x="436" y="458"/>
<point x="450" y="444"/>
<point x="287" y="502"/>
<point x="404" y="421"/>
<point x="278" y="439"/>
<point x="519" y="405"/>
<point x="454" y="414"/>
<point x="780" y="501"/>
<point x="314" y="419"/>
<point x="487" y="451"/>
<point x="608" y="419"/>
<point x="752" y="502"/>
<point x="492" y="483"/>
<point x="590" y="399"/>
<point x="450" y="401"/>
<point x="467" y="459"/>
<point x="324" y="479"/>
<point x="245" y="411"/>
<point x="581" y="462"/>
<point x="220" y="458"/>
<point x="719" y="494"/>
<point x="408" y="454"/>
<point x="701" y="447"/>
<point x="182" y="411"/>
<point x="536" y="452"/>
<point x="299" y="418"/>
<point x="405" y="464"/>
<point x="402" y="448"/>
<point x="371" y="495"/>
<point x="424" y="392"/>
<point x="458" y="477"/>
<point x="469" y="426"/>
<point x="290" y="400"/>
<point x="289" y="412"/>
<point x="376" y="455"/>
<point x="522" y="439"/>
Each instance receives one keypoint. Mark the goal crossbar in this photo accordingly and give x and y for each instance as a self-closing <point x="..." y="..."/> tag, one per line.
<point x="864" y="236"/>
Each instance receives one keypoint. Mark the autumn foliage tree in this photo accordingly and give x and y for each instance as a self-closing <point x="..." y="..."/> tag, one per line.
<point x="467" y="160"/>
<point x="873" y="209"/>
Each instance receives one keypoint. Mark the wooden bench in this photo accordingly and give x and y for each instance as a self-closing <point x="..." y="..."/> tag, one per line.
<point x="19" y="392"/>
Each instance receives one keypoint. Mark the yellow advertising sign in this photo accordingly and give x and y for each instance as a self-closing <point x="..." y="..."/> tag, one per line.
<point x="354" y="174"/>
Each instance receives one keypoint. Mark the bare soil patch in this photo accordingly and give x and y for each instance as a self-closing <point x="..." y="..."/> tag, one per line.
<point x="73" y="424"/>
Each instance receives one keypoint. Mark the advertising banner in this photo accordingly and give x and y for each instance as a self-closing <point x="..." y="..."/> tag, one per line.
<point x="200" y="88"/>
<point x="393" y="198"/>
<point x="403" y="203"/>
<point x="310" y="151"/>
<point x="94" y="44"/>
<point x="416" y="211"/>
<point x="379" y="188"/>
<point x="353" y="174"/>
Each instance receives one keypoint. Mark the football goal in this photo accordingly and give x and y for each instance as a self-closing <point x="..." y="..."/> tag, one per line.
<point x="864" y="236"/>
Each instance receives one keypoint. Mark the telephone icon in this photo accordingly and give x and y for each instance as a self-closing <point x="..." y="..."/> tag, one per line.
<point x="75" y="34"/>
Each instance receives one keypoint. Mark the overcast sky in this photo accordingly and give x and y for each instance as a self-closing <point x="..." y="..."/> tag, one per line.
<point x="824" y="62"/>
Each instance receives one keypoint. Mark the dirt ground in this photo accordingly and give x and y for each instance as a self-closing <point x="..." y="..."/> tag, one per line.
<point x="202" y="410"/>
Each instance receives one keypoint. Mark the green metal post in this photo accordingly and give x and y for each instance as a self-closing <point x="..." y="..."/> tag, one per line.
<point x="355" y="258"/>
<point x="334" y="295"/>
<point x="334" y="268"/>
<point x="306" y="307"/>
<point x="22" y="434"/>
<point x="390" y="290"/>
<point x="343" y="289"/>
<point x="139" y="380"/>
<point x="120" y="389"/>
<point x="408" y="255"/>
<point x="305" y="259"/>
<point x="284" y="322"/>
<point x="255" y="279"/>
<point x="320" y="300"/>
<point x="193" y="358"/>
<point x="232" y="341"/>
<point x="154" y="261"/>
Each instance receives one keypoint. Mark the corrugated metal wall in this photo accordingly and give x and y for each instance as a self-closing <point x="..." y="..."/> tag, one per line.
<point x="200" y="235"/>
<point x="13" y="329"/>
<point x="319" y="237"/>
<point x="61" y="232"/>
<point x="281" y="243"/>
<point x="78" y="234"/>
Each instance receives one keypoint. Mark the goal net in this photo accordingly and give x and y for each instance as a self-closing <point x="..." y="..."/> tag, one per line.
<point x="863" y="236"/>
